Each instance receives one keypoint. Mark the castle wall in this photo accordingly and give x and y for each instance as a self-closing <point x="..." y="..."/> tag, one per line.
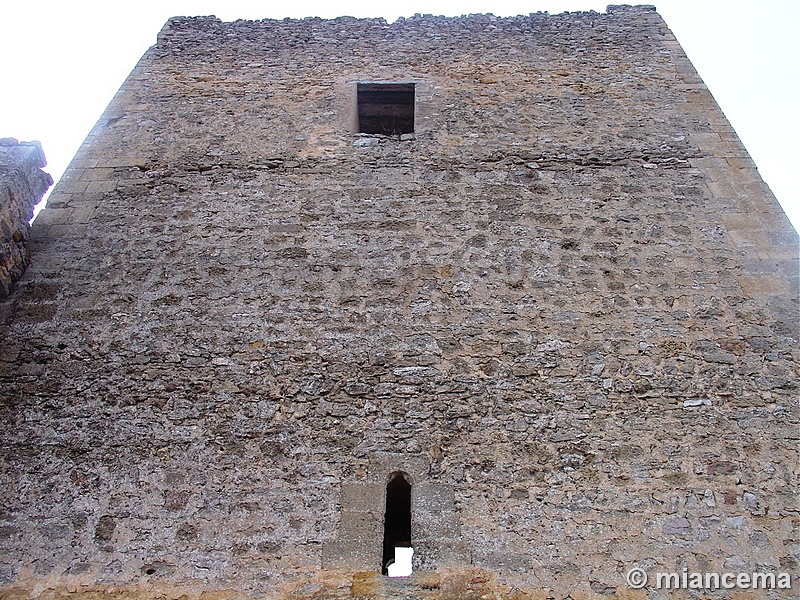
<point x="566" y="307"/>
<point x="22" y="185"/>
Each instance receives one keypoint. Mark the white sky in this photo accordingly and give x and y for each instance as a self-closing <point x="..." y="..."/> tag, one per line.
<point x="62" y="61"/>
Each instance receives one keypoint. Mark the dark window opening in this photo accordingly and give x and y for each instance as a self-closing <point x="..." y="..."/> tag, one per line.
<point x="397" y="523"/>
<point x="386" y="108"/>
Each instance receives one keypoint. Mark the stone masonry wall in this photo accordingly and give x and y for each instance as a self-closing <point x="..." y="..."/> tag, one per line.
<point x="22" y="185"/>
<point x="566" y="307"/>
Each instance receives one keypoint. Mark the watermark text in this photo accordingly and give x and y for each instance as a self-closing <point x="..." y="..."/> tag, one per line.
<point x="638" y="578"/>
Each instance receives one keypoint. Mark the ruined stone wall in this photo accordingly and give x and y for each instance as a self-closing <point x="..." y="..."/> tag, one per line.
<point x="566" y="307"/>
<point x="22" y="185"/>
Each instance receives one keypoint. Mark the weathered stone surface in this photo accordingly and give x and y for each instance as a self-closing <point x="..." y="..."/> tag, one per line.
<point x="22" y="185"/>
<point x="566" y="308"/>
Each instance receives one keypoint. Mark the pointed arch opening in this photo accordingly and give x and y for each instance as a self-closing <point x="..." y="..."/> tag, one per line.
<point x="397" y="548"/>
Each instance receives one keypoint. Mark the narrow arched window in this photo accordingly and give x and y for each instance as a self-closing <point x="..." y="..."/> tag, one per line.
<point x="397" y="550"/>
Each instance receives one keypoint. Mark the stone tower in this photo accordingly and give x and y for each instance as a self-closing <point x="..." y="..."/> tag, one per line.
<point x="507" y="291"/>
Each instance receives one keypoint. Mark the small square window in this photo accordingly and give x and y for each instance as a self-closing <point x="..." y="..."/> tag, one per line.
<point x="386" y="108"/>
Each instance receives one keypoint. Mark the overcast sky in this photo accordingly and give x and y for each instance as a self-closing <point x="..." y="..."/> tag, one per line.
<point x="62" y="61"/>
